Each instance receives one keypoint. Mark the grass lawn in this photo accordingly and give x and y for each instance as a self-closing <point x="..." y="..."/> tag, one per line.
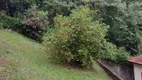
<point x="22" y="59"/>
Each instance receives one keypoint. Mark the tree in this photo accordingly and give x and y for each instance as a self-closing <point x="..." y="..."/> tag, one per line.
<point x="55" y="7"/>
<point x="123" y="17"/>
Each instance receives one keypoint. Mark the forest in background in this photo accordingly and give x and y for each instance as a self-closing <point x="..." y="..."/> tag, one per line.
<point x="78" y="30"/>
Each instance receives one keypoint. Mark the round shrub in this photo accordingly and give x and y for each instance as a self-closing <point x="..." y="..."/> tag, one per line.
<point x="76" y="37"/>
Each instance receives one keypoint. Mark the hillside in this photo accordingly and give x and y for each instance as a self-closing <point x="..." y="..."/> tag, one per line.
<point x="23" y="59"/>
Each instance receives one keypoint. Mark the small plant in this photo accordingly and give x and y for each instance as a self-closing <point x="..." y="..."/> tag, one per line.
<point x="1" y="24"/>
<point x="111" y="53"/>
<point x="35" y="23"/>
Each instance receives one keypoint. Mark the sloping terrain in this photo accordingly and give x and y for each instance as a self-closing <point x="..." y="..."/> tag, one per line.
<point x="24" y="59"/>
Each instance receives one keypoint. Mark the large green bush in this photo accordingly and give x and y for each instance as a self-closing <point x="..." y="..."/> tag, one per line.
<point x="76" y="37"/>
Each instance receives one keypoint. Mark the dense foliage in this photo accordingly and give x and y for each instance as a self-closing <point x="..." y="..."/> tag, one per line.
<point x="111" y="53"/>
<point x="7" y="21"/>
<point x="124" y="18"/>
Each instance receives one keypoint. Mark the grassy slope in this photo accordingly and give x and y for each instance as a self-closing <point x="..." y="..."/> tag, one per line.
<point x="22" y="59"/>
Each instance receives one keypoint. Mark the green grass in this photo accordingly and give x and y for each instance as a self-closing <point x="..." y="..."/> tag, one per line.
<point x="22" y="59"/>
